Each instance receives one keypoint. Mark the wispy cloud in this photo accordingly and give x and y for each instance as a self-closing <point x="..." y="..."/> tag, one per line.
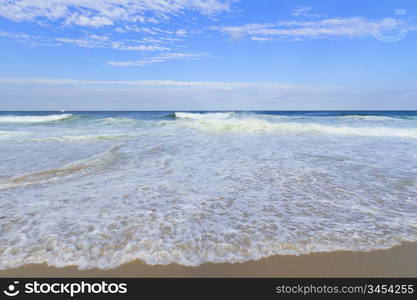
<point x="97" y="41"/>
<point x="304" y="11"/>
<point x="163" y="57"/>
<point x="91" y="41"/>
<point x="73" y="94"/>
<point x="130" y="25"/>
<point x="261" y="39"/>
<point x="27" y="39"/>
<point x="329" y="27"/>
<point x="68" y="81"/>
<point x="106" y="12"/>
<point x="19" y="35"/>
<point x="301" y="11"/>
<point x="102" y="82"/>
<point x="123" y="46"/>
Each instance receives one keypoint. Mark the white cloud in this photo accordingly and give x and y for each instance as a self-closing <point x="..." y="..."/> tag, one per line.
<point x="19" y="35"/>
<point x="27" y="39"/>
<point x="124" y="16"/>
<point x="56" y="94"/>
<point x="91" y="41"/>
<point x="95" y="21"/>
<point x="53" y="81"/>
<point x="158" y="40"/>
<point x="181" y="32"/>
<point x="122" y="46"/>
<point x="163" y="57"/>
<point x="301" y="11"/>
<point x="304" y="11"/>
<point x="261" y="39"/>
<point x="134" y="28"/>
<point x="106" y="12"/>
<point x="96" y="41"/>
<point x="330" y="27"/>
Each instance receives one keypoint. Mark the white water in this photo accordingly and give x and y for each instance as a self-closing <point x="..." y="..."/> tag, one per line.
<point x="34" y="119"/>
<point x="206" y="116"/>
<point x="100" y="191"/>
<point x="256" y="125"/>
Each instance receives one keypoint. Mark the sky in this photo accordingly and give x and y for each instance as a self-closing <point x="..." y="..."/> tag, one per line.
<point x="208" y="55"/>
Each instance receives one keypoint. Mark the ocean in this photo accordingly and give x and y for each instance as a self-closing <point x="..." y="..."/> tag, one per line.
<point x="100" y="189"/>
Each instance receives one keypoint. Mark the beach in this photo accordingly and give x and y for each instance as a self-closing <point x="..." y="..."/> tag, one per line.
<point x="400" y="261"/>
<point x="208" y="193"/>
<point x="220" y="138"/>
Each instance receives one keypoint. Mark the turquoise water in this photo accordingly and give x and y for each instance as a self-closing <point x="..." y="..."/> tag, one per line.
<point x="99" y="189"/>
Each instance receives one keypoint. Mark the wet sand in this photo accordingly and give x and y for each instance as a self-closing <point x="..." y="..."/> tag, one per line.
<point x="399" y="261"/>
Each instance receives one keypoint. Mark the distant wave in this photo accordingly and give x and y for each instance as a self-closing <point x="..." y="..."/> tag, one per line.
<point x="228" y="115"/>
<point x="352" y="117"/>
<point x="35" y="119"/>
<point x="199" y="116"/>
<point x="116" y="121"/>
<point x="369" y="118"/>
<point x="259" y="125"/>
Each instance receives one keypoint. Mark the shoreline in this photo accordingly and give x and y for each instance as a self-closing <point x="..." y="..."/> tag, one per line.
<point x="400" y="261"/>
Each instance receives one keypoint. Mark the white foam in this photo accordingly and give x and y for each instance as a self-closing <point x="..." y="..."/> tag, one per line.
<point x="205" y="116"/>
<point x="34" y="119"/>
<point x="192" y="191"/>
<point x="13" y="134"/>
<point x="369" y="118"/>
<point x="81" y="138"/>
<point x="116" y="121"/>
<point x="259" y="125"/>
<point x="80" y="167"/>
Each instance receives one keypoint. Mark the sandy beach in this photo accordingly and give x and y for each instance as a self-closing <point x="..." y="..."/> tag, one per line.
<point x="208" y="139"/>
<point x="399" y="261"/>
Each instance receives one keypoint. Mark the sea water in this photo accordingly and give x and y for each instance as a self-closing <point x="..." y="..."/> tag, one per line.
<point x="99" y="189"/>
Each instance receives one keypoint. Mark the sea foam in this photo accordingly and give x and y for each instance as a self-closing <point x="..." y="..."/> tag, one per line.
<point x="203" y="188"/>
<point x="81" y="167"/>
<point x="117" y="121"/>
<point x="203" y="116"/>
<point x="260" y="125"/>
<point x="34" y="119"/>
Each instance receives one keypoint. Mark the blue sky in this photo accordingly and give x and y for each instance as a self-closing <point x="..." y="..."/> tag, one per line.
<point x="214" y="54"/>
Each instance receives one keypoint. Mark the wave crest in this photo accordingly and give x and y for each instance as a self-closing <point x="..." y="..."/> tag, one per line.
<point x="369" y="118"/>
<point x="35" y="119"/>
<point x="116" y="121"/>
<point x="205" y="116"/>
<point x="257" y="125"/>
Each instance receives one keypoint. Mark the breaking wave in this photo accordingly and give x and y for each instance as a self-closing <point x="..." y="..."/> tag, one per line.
<point x="116" y="121"/>
<point x="35" y="119"/>
<point x="192" y="188"/>
<point x="205" y="116"/>
<point x="259" y="125"/>
<point x="369" y="118"/>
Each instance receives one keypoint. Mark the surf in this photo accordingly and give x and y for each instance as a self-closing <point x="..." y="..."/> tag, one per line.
<point x="257" y="125"/>
<point x="203" y="116"/>
<point x="35" y="119"/>
<point x="84" y="167"/>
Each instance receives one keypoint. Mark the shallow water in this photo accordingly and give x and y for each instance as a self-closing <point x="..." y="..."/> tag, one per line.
<point x="99" y="189"/>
